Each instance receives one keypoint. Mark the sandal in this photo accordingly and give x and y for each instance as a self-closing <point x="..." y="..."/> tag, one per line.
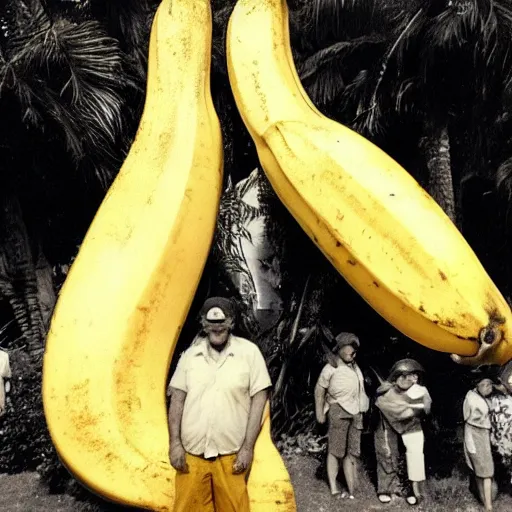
<point x="411" y="500"/>
<point x="384" y="498"/>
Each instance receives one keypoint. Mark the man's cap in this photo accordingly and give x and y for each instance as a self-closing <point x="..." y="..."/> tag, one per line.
<point x="217" y="310"/>
<point x="346" y="338"/>
<point x="215" y="314"/>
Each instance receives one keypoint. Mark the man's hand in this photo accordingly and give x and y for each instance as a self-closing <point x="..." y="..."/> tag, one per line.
<point x="178" y="458"/>
<point x="243" y="460"/>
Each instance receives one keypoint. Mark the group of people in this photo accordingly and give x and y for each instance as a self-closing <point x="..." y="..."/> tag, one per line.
<point x="401" y="402"/>
<point x="221" y="384"/>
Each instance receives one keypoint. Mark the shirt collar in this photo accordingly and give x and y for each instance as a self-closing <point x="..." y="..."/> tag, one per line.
<point x="200" y="346"/>
<point x="352" y="365"/>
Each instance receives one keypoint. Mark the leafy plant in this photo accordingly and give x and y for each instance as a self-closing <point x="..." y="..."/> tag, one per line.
<point x="25" y="439"/>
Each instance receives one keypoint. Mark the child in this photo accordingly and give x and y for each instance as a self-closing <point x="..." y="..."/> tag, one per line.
<point x="340" y="392"/>
<point x="401" y="402"/>
<point x="477" y="442"/>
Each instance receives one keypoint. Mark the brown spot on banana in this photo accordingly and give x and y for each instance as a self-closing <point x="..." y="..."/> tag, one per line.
<point x="490" y="338"/>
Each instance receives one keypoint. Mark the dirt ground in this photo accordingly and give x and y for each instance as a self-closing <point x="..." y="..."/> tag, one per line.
<point x="449" y="494"/>
<point x="23" y="493"/>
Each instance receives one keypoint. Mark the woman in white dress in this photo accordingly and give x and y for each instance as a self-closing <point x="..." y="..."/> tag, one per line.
<point x="477" y="437"/>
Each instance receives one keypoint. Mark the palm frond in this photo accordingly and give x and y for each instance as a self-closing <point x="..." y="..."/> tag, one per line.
<point x="504" y="178"/>
<point x="450" y="30"/>
<point x="325" y="86"/>
<point x="129" y="21"/>
<point x="405" y="96"/>
<point x="91" y="60"/>
<point x="371" y="114"/>
<point x="55" y="110"/>
<point x="71" y="73"/>
<point x="324" y="57"/>
<point x="332" y="20"/>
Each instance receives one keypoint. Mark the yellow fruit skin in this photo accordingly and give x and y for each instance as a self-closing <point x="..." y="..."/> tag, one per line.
<point x="123" y="304"/>
<point x="384" y="234"/>
<point x="128" y="293"/>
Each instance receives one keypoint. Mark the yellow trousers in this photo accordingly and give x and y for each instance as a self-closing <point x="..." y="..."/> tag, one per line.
<point x="210" y="486"/>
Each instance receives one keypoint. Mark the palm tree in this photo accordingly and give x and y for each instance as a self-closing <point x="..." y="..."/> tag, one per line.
<point x="369" y="76"/>
<point x="62" y="88"/>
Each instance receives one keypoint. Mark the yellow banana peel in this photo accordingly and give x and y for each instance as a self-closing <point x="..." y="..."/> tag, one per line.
<point x="129" y="291"/>
<point x="384" y="234"/>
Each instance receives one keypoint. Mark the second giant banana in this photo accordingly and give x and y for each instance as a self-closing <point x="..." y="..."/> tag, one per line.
<point x="386" y="236"/>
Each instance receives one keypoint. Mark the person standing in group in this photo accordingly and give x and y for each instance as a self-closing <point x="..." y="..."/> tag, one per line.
<point x="401" y="402"/>
<point x="5" y="375"/>
<point x="501" y="427"/>
<point x="477" y="442"/>
<point x="218" y="393"/>
<point x="340" y="392"/>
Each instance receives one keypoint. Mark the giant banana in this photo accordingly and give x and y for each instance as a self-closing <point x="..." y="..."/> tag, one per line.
<point x="383" y="233"/>
<point x="129" y="290"/>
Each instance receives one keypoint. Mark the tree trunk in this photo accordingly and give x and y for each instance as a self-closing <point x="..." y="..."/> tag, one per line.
<point x="46" y="291"/>
<point x="18" y="278"/>
<point x="435" y="146"/>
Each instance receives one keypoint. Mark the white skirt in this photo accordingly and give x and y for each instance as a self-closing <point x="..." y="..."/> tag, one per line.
<point x="413" y="442"/>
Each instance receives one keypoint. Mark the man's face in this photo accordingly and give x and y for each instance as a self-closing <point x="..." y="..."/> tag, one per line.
<point x="217" y="334"/>
<point x="347" y="354"/>
<point x="405" y="381"/>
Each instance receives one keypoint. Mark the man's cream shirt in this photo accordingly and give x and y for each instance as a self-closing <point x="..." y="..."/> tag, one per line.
<point x="219" y="393"/>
